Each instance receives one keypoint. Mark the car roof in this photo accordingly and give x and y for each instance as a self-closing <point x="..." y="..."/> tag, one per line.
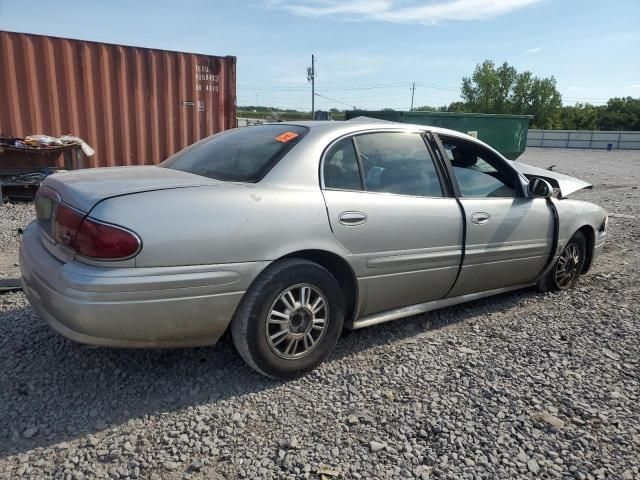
<point x="324" y="132"/>
<point x="366" y="123"/>
<point x="328" y="128"/>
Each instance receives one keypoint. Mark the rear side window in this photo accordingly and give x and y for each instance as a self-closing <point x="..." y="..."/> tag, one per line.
<point x="341" y="167"/>
<point x="241" y="155"/>
<point x="397" y="162"/>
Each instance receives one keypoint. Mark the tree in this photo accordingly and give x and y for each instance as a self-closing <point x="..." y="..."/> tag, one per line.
<point x="545" y="102"/>
<point x="504" y="90"/>
<point x="507" y="77"/>
<point x="620" y="114"/>
<point x="425" y="108"/>
<point x="488" y="90"/>
<point x="617" y="114"/>
<point x="455" y="107"/>
<point x="579" y="117"/>
<point x="520" y="101"/>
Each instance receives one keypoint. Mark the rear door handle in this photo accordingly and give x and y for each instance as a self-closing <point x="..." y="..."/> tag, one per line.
<point x="352" y="218"/>
<point x="480" y="217"/>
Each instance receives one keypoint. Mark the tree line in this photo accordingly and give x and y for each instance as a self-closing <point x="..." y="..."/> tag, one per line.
<point x="503" y="90"/>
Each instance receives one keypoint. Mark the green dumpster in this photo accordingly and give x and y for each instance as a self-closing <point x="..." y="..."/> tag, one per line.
<point x="505" y="133"/>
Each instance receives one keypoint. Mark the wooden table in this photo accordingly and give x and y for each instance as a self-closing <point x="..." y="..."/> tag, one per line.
<point x="25" y="160"/>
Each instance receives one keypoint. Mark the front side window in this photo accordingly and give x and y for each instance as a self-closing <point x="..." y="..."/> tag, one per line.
<point x="340" y="168"/>
<point x="397" y="162"/>
<point x="478" y="171"/>
<point x="242" y="155"/>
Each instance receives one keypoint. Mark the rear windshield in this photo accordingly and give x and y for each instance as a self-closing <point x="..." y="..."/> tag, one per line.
<point x="241" y="155"/>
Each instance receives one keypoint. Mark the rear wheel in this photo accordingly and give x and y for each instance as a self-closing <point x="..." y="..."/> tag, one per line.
<point x="565" y="273"/>
<point x="290" y="319"/>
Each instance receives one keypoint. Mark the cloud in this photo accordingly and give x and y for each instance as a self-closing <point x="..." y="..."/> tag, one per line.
<point x="401" y="11"/>
<point x="534" y="50"/>
<point x="636" y="86"/>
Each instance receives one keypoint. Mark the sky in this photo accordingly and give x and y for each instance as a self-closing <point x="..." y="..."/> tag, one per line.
<point x="369" y="51"/>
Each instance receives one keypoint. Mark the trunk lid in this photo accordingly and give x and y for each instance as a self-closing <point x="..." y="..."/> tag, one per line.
<point x="82" y="189"/>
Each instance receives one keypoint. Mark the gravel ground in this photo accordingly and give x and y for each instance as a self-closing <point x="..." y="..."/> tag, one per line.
<point x="522" y="385"/>
<point x="12" y="216"/>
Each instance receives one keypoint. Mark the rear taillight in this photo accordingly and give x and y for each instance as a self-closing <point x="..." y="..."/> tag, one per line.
<point x="67" y="224"/>
<point x="105" y="242"/>
<point x="45" y="202"/>
<point x="94" y="239"/>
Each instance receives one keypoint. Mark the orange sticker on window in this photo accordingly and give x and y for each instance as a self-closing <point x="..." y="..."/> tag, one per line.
<point x="286" y="137"/>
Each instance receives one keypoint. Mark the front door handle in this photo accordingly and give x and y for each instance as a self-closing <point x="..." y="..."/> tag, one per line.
<point x="352" y="218"/>
<point x="480" y="217"/>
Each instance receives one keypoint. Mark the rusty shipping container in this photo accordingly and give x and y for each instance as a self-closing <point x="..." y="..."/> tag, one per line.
<point x="133" y="105"/>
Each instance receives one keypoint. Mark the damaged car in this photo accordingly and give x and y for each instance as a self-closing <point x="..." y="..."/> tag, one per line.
<point x="285" y="234"/>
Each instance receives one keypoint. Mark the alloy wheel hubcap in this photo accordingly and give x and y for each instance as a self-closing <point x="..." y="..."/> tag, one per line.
<point x="567" y="266"/>
<point x="297" y="321"/>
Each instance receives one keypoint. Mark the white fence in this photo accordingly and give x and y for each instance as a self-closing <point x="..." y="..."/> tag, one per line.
<point x="246" y="122"/>
<point x="583" y="139"/>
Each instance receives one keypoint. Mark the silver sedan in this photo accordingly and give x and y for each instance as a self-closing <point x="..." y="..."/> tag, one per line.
<point x="287" y="233"/>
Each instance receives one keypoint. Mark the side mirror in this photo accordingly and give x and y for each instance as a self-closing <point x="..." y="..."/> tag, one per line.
<point x="540" y="188"/>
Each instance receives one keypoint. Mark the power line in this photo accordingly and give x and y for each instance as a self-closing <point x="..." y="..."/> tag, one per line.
<point x="363" y="87"/>
<point x="582" y="100"/>
<point x="595" y="103"/>
<point x="274" y="89"/>
<point x="437" y="87"/>
<point x="368" y="87"/>
<point x="346" y="87"/>
<point x="337" y="101"/>
<point x="338" y="88"/>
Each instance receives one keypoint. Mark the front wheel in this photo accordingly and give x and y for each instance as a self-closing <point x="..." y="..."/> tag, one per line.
<point x="565" y="273"/>
<point x="290" y="319"/>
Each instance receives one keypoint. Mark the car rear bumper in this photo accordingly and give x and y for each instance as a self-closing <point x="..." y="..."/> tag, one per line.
<point x="132" y="307"/>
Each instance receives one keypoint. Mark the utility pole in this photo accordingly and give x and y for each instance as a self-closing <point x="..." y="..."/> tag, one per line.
<point x="311" y="77"/>
<point x="413" y="92"/>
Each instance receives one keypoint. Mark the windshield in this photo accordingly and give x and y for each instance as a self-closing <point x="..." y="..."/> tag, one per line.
<point x="242" y="155"/>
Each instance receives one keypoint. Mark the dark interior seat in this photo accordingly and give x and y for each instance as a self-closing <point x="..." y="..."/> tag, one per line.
<point x="463" y="158"/>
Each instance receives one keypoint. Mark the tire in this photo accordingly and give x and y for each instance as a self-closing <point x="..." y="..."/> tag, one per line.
<point x="264" y="326"/>
<point x="567" y="269"/>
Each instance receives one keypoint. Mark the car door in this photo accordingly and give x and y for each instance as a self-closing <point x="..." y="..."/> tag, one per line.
<point x="387" y="206"/>
<point x="509" y="235"/>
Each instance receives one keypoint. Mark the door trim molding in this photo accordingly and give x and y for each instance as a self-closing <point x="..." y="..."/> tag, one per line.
<point x="412" y="310"/>
<point x="432" y="257"/>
